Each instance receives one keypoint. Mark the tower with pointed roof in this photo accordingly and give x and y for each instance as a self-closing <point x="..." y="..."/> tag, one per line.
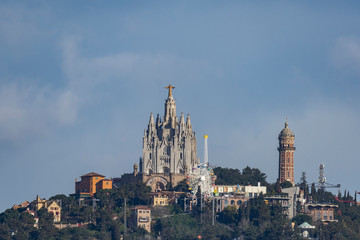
<point x="169" y="147"/>
<point x="286" y="155"/>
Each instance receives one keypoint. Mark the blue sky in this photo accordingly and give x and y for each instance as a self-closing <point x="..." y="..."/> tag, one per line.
<point x="78" y="81"/>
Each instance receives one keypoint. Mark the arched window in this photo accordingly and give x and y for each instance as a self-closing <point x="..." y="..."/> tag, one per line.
<point x="149" y="155"/>
<point x="232" y="202"/>
<point x="239" y="203"/>
<point x="180" y="155"/>
<point x="166" y="170"/>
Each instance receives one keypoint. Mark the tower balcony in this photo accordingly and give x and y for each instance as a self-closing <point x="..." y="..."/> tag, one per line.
<point x="286" y="148"/>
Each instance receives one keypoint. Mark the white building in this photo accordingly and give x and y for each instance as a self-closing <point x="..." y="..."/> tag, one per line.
<point x="245" y="191"/>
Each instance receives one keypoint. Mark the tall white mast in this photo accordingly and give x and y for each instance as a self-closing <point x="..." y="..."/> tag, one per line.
<point x="206" y="156"/>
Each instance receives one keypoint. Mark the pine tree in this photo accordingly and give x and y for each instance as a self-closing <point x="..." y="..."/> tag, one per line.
<point x="304" y="184"/>
<point x="355" y="197"/>
<point x="314" y="194"/>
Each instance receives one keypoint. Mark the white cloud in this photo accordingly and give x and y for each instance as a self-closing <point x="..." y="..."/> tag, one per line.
<point x="89" y="72"/>
<point x="27" y="110"/>
<point x="346" y="54"/>
<point x="66" y="106"/>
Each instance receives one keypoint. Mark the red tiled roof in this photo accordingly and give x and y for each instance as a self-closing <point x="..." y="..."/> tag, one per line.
<point x="93" y="174"/>
<point x="141" y="207"/>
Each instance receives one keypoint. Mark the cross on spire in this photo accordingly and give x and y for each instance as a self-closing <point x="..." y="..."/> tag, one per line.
<point x="170" y="87"/>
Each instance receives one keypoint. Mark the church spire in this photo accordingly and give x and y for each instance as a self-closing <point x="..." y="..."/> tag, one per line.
<point x="157" y="120"/>
<point x="170" y="87"/>
<point x="182" y="120"/>
<point x="151" y="121"/>
<point x="188" y="122"/>
<point x="170" y="109"/>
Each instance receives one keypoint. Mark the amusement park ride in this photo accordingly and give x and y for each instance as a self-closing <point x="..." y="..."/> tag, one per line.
<point x="202" y="176"/>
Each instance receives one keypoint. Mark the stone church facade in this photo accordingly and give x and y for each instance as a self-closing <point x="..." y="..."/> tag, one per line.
<point x="169" y="149"/>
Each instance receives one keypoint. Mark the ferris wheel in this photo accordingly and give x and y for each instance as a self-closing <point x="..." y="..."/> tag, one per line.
<point x="202" y="176"/>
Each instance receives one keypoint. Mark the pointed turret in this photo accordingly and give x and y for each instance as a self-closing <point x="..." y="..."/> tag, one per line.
<point x="182" y="125"/>
<point x="151" y="127"/>
<point x="188" y="122"/>
<point x="170" y="109"/>
<point x="151" y="121"/>
<point x="182" y="120"/>
<point x="158" y="121"/>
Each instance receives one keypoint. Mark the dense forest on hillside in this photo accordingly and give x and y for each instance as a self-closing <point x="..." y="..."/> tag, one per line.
<point x="256" y="220"/>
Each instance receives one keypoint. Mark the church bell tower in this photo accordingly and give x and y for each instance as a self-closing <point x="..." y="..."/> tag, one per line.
<point x="286" y="155"/>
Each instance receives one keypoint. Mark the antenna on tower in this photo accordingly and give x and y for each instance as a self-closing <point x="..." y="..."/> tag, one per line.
<point x="322" y="178"/>
<point x="206" y="156"/>
<point x="322" y="185"/>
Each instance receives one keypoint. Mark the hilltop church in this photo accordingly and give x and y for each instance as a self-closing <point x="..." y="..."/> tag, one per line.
<point x="169" y="150"/>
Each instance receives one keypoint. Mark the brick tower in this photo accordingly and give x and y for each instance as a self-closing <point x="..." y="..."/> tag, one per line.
<point x="286" y="155"/>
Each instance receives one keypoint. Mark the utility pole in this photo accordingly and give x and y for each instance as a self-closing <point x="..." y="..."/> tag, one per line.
<point x="93" y="207"/>
<point x="201" y="208"/>
<point x="213" y="212"/>
<point x="125" y="224"/>
<point x="184" y="204"/>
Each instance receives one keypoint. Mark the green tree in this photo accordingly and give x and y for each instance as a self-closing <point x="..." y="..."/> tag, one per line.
<point x="286" y="184"/>
<point x="248" y="176"/>
<point x="304" y="184"/>
<point x="314" y="193"/>
<point x="253" y="176"/>
<point x="47" y="229"/>
<point x="228" y="215"/>
<point x="181" y="186"/>
<point x="75" y="234"/>
<point x="259" y="211"/>
<point x="228" y="176"/>
<point x="301" y="218"/>
<point x="177" y="227"/>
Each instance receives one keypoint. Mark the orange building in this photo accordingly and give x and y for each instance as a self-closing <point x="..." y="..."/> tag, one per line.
<point x="90" y="183"/>
<point x="22" y="205"/>
<point x="104" y="184"/>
